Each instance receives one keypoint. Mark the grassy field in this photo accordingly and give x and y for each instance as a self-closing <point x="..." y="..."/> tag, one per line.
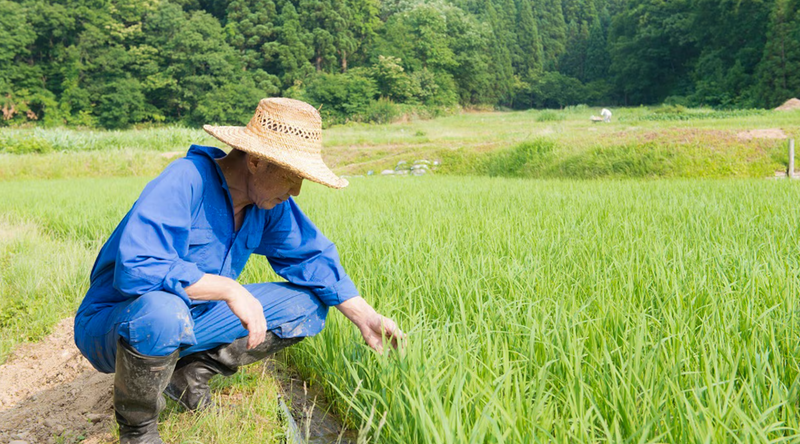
<point x="544" y="310"/>
<point x="659" y="311"/>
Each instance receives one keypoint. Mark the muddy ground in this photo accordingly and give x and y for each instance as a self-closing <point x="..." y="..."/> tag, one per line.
<point x="49" y="393"/>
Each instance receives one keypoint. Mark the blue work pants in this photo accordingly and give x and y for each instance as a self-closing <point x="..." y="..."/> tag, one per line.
<point x="158" y="323"/>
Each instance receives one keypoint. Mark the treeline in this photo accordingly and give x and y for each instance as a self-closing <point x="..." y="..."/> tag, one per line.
<point x="114" y="63"/>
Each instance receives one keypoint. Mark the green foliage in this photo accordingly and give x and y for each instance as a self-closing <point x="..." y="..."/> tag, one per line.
<point x="230" y="104"/>
<point x="552" y="90"/>
<point x="671" y="109"/>
<point x="530" y="56"/>
<point x="597" y="57"/>
<point x="381" y="111"/>
<point x="679" y="112"/>
<point x="550" y="116"/>
<point x="779" y="69"/>
<point x="121" y="104"/>
<point x="27" y="144"/>
<point x="391" y="80"/>
<point x="196" y="61"/>
<point x="527" y="159"/>
<point x="341" y="96"/>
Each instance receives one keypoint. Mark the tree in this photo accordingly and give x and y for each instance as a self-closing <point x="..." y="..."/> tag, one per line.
<point x="391" y="80"/>
<point x="597" y="57"/>
<point x="779" y="68"/>
<point x="341" y="95"/>
<point x="16" y="35"/>
<point x="652" y="52"/>
<point x="250" y="26"/>
<point x="530" y="59"/>
<point x="502" y="69"/>
<point x="729" y="37"/>
<point x="553" y="31"/>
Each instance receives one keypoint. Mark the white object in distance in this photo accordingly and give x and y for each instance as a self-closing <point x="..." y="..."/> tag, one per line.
<point x="606" y="113"/>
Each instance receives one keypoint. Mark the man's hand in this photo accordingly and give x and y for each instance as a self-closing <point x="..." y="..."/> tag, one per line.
<point x="379" y="327"/>
<point x="374" y="327"/>
<point x="246" y="307"/>
<point x="251" y="314"/>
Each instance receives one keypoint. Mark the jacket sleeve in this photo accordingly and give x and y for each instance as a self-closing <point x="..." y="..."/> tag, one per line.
<point x="301" y="254"/>
<point x="156" y="236"/>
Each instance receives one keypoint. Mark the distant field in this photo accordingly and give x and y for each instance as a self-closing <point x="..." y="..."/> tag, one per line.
<point x="599" y="311"/>
<point x="640" y="142"/>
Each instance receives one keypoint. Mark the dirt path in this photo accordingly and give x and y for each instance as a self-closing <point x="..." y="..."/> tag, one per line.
<point x="50" y="393"/>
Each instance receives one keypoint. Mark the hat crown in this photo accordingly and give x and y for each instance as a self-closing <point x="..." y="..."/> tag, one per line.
<point x="282" y="117"/>
<point x="287" y="132"/>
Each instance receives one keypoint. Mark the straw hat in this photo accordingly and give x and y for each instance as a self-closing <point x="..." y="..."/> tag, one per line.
<point x="284" y="131"/>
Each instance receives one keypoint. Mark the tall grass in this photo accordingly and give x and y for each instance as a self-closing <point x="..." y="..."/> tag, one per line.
<point x="40" y="281"/>
<point x="692" y="157"/>
<point x="570" y="312"/>
<point x="44" y="140"/>
<point x="538" y="311"/>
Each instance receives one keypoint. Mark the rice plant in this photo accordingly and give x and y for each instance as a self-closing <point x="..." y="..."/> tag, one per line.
<point x="537" y="311"/>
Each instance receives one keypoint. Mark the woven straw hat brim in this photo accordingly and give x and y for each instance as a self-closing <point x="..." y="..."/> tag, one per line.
<point x="308" y="166"/>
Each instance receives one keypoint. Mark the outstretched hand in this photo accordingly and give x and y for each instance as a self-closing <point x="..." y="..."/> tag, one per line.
<point x="378" y="328"/>
<point x="374" y="327"/>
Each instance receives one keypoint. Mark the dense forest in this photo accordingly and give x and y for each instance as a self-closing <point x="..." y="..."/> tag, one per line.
<point x="114" y="63"/>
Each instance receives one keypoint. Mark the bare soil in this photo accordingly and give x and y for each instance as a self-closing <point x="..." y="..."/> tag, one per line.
<point x="50" y="393"/>
<point x="772" y="133"/>
<point x="789" y="105"/>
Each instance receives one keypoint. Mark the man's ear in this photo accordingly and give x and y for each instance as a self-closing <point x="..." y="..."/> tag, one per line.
<point x="253" y="163"/>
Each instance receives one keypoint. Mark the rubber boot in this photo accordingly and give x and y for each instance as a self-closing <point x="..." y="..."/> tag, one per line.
<point x="189" y="383"/>
<point x="138" y="383"/>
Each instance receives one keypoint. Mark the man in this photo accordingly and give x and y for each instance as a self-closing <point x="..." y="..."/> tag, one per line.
<point x="605" y="113"/>
<point x="164" y="310"/>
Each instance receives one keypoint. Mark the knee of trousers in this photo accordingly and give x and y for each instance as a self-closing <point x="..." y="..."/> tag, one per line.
<point x="308" y="324"/>
<point x="291" y="311"/>
<point x="159" y="324"/>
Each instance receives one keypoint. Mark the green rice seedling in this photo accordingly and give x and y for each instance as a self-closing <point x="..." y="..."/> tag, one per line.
<point x="538" y="310"/>
<point x="568" y="312"/>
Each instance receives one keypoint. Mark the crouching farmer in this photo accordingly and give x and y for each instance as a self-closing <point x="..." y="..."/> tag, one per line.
<point x="164" y="310"/>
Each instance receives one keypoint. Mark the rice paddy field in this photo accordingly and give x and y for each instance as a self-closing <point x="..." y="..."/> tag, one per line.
<point x="539" y="308"/>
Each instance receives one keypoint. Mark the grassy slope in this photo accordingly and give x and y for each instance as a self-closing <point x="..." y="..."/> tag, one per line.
<point x="706" y="147"/>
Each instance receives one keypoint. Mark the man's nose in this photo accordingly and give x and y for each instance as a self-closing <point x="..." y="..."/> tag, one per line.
<point x="295" y="191"/>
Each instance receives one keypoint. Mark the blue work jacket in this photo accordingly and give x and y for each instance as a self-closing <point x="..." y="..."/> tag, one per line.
<point x="182" y="226"/>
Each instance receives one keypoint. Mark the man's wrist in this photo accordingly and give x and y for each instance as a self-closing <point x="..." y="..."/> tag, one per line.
<point x="214" y="287"/>
<point x="357" y="310"/>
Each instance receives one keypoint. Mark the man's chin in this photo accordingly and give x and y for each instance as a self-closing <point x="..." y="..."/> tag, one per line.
<point x="270" y="204"/>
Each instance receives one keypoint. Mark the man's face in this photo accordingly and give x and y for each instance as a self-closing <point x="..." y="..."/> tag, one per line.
<point x="269" y="185"/>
